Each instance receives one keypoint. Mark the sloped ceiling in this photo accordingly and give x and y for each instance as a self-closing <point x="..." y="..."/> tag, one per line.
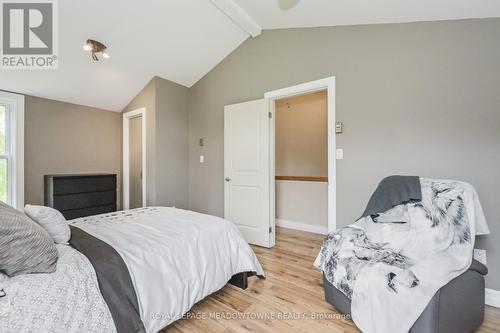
<point x="181" y="40"/>
<point x="273" y="14"/>
<point x="178" y="40"/>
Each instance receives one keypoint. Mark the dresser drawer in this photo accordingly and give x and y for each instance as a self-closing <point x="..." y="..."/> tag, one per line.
<point x="79" y="195"/>
<point x="83" y="200"/>
<point x="84" y="184"/>
<point x="76" y="213"/>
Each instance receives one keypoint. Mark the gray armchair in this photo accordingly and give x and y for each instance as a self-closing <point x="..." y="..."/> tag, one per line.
<point x="458" y="307"/>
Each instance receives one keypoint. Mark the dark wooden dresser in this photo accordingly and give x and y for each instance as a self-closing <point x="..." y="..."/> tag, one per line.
<point x="81" y="195"/>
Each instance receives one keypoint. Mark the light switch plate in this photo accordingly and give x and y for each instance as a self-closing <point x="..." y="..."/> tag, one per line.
<point x="480" y="255"/>
<point x="339" y="127"/>
<point x="339" y="154"/>
<point x="202" y="159"/>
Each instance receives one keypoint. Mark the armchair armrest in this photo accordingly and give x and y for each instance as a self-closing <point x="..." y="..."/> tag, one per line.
<point x="478" y="267"/>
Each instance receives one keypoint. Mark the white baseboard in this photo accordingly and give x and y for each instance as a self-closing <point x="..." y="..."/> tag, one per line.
<point x="492" y="297"/>
<point x="302" y="226"/>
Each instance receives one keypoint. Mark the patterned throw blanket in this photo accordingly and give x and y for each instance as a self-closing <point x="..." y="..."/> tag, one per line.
<point x="391" y="264"/>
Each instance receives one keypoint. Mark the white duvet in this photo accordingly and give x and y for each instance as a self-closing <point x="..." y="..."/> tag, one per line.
<point x="175" y="257"/>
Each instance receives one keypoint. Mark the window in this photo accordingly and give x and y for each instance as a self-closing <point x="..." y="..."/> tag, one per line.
<point x="12" y="149"/>
<point x="4" y="158"/>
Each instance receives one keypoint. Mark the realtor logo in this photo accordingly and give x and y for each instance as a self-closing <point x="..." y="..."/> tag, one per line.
<point x="29" y="34"/>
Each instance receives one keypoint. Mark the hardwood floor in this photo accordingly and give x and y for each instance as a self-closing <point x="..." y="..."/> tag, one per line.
<point x="286" y="301"/>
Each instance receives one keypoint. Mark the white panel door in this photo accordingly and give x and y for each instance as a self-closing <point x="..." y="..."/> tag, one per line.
<point x="247" y="169"/>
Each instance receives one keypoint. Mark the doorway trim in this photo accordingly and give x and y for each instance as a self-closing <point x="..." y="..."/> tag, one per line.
<point x="327" y="84"/>
<point x="126" y="146"/>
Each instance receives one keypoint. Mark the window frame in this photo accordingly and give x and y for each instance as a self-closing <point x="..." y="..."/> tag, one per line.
<point x="14" y="147"/>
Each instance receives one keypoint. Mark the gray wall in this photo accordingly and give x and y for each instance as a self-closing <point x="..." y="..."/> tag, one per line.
<point x="419" y="98"/>
<point x="68" y="138"/>
<point x="167" y="141"/>
<point x="171" y="144"/>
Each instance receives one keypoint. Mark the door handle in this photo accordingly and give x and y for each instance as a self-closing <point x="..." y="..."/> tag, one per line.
<point x="227" y="179"/>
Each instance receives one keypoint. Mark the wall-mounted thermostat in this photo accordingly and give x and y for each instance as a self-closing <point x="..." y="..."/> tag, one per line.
<point x="338" y="127"/>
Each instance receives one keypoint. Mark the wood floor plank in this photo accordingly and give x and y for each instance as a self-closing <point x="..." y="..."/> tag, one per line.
<point x="290" y="299"/>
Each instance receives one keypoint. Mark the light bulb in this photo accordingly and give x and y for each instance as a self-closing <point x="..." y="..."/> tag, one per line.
<point x="87" y="47"/>
<point x="105" y="55"/>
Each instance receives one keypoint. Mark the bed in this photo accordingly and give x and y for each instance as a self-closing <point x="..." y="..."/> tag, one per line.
<point x="171" y="259"/>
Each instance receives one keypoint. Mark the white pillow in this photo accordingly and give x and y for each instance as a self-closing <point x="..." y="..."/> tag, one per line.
<point x="51" y="220"/>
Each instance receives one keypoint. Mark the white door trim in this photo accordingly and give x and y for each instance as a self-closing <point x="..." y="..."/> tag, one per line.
<point x="327" y="84"/>
<point x="126" y="167"/>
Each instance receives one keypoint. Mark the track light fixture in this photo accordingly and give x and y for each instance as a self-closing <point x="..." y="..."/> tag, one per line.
<point x="95" y="47"/>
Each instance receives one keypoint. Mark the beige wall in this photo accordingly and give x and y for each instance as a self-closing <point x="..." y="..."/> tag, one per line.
<point x="302" y="202"/>
<point x="67" y="138"/>
<point x="417" y="98"/>
<point x="167" y="141"/>
<point x="302" y="150"/>
<point x="302" y="135"/>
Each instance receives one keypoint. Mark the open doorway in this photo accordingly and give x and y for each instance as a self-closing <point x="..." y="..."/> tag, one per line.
<point x="322" y="87"/>
<point x="301" y="162"/>
<point x="134" y="159"/>
<point x="249" y="162"/>
<point x="135" y="162"/>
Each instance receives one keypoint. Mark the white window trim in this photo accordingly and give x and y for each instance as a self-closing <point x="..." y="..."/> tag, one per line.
<point x="15" y="149"/>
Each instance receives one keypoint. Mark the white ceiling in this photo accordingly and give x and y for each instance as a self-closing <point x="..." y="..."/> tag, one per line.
<point x="181" y="40"/>
<point x="274" y="14"/>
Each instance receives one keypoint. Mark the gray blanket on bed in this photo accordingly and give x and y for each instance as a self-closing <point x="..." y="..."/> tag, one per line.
<point x="393" y="191"/>
<point x="114" y="280"/>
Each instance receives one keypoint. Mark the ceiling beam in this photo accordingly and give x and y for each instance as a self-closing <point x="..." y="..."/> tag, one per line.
<point x="239" y="16"/>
